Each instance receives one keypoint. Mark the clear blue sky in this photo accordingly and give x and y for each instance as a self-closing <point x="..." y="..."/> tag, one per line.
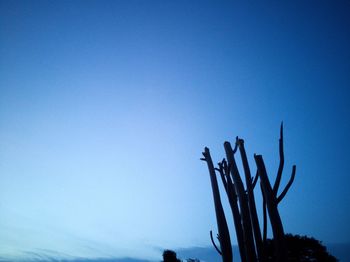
<point x="105" y="108"/>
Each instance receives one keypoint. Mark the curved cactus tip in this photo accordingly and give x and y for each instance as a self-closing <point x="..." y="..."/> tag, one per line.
<point x="237" y="140"/>
<point x="213" y="242"/>
<point x="290" y="182"/>
<point x="205" y="154"/>
<point x="281" y="130"/>
<point x="206" y="151"/>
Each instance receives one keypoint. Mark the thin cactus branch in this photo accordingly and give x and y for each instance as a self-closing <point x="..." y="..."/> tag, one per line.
<point x="213" y="242"/>
<point x="281" y="164"/>
<point x="236" y="146"/>
<point x="255" y="179"/>
<point x="222" y="173"/>
<point x="290" y="182"/>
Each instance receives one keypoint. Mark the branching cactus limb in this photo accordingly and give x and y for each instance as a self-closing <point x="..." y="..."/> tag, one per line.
<point x="225" y="241"/>
<point x="232" y="197"/>
<point x="251" y="199"/>
<point x="271" y="203"/>
<point x="290" y="182"/>
<point x="280" y="171"/>
<point x="243" y="204"/>
<point x="255" y="179"/>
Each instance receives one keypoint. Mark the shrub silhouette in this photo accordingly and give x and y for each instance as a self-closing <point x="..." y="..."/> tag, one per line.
<point x="301" y="248"/>
<point x="170" y="256"/>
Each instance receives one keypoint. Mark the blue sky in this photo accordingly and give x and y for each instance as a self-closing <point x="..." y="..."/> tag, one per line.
<point x="106" y="106"/>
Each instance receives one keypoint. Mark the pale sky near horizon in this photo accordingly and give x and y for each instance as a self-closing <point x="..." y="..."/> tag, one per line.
<point x="106" y="106"/>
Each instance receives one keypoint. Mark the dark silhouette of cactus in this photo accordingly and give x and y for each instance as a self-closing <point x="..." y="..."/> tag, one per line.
<point x="232" y="197"/>
<point x="251" y="198"/>
<point x="251" y="241"/>
<point x="224" y="235"/>
<point x="243" y="203"/>
<point x="271" y="198"/>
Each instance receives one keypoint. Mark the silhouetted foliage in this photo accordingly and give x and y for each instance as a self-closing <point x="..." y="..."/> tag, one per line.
<point x="170" y="256"/>
<point x="301" y="248"/>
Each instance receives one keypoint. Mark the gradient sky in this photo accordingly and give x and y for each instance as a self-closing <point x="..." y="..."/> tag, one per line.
<point x="106" y="106"/>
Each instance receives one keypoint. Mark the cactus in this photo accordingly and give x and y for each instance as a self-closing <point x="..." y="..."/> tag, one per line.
<point x="251" y="241"/>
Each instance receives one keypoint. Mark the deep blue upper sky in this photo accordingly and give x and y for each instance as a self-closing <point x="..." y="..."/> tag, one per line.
<point x="105" y="107"/>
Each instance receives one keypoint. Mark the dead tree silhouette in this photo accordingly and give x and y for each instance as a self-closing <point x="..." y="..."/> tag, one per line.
<point x="251" y="241"/>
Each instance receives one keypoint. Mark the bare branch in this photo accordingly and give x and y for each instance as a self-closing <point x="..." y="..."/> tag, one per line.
<point x="288" y="185"/>
<point x="212" y="241"/>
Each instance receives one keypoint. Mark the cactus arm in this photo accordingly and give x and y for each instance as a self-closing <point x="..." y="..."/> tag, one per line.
<point x="290" y="182"/>
<point x="232" y="197"/>
<point x="281" y="164"/>
<point x="264" y="217"/>
<point x="275" y="219"/>
<point x="243" y="203"/>
<point x="225" y="241"/>
<point x="251" y="199"/>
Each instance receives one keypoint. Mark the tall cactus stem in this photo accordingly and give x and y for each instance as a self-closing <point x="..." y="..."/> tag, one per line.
<point x="225" y="241"/>
<point x="251" y="200"/>
<point x="243" y="204"/>
<point x="275" y="219"/>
